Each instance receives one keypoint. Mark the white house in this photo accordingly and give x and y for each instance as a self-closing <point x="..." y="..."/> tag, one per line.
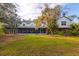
<point x="31" y="24"/>
<point x="64" y="22"/>
<point x="28" y="26"/>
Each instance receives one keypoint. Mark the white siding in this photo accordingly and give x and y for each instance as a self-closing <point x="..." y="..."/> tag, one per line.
<point x="30" y="25"/>
<point x="68" y="22"/>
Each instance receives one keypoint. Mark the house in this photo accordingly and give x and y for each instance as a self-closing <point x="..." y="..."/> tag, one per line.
<point x="28" y="26"/>
<point x="64" y="23"/>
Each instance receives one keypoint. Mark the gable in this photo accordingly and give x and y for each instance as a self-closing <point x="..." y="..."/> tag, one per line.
<point x="26" y="25"/>
<point x="64" y="22"/>
<point x="64" y="19"/>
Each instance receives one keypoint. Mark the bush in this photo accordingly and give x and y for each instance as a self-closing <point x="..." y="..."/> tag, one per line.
<point x="60" y="33"/>
<point x="1" y="30"/>
<point x="74" y="29"/>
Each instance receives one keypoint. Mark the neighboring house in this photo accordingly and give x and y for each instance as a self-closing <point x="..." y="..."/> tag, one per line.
<point x="64" y="22"/>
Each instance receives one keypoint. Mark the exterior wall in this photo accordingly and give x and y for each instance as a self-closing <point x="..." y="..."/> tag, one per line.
<point x="43" y="25"/>
<point x="68" y="22"/>
<point x="30" y="25"/>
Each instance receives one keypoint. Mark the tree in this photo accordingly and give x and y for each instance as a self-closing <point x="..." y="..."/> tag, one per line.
<point x="51" y="15"/>
<point x="7" y="10"/>
<point x="8" y="14"/>
<point x="37" y="22"/>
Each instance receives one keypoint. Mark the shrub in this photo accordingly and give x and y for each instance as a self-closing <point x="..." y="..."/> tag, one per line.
<point x="74" y="29"/>
<point x="60" y="33"/>
<point x="1" y="29"/>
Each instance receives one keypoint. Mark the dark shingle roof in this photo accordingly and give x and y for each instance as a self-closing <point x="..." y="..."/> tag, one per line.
<point x="67" y="18"/>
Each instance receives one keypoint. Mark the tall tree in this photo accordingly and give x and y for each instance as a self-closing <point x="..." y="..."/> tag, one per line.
<point x="8" y="14"/>
<point x="51" y="15"/>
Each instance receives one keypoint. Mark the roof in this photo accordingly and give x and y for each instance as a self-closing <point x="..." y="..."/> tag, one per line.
<point x="67" y="18"/>
<point x="27" y="21"/>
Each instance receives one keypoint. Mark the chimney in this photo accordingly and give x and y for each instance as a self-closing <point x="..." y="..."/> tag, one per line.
<point x="64" y="14"/>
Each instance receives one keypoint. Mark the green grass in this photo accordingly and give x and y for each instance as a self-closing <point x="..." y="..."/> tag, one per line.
<point x="1" y="29"/>
<point x="44" y="45"/>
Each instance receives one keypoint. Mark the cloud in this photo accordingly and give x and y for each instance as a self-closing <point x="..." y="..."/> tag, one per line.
<point x="32" y="10"/>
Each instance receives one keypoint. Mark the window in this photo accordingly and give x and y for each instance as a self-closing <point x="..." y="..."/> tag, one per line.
<point x="23" y="24"/>
<point x="63" y="23"/>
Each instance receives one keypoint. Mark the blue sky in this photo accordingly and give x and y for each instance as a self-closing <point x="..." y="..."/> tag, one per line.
<point x="33" y="10"/>
<point x="73" y="8"/>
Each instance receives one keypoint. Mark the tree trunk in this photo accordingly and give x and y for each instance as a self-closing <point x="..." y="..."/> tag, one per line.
<point x="47" y="31"/>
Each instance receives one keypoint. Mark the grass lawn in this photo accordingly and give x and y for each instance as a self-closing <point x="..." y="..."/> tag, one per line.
<point x="39" y="45"/>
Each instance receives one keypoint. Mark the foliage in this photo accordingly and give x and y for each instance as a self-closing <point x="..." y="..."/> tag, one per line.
<point x="1" y="29"/>
<point x="8" y="14"/>
<point x="37" y="23"/>
<point x="61" y="33"/>
<point x="51" y="15"/>
<point x="74" y="29"/>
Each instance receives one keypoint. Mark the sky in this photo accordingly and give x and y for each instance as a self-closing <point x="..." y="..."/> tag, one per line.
<point x="29" y="10"/>
<point x="33" y="10"/>
<point x="73" y="9"/>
